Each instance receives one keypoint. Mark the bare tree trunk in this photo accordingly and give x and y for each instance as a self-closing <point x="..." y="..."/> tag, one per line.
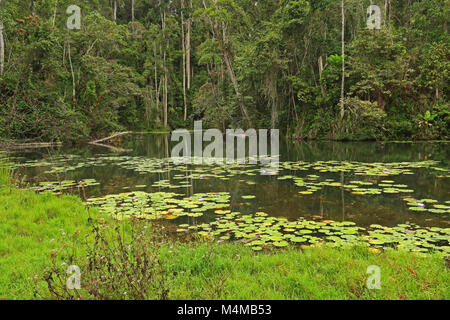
<point x="115" y="10"/>
<point x="165" y="95"/>
<point x="2" y="50"/>
<point x="274" y="116"/>
<point x="221" y="40"/>
<point x="343" y="59"/>
<point x="320" y="63"/>
<point x="132" y="10"/>
<point x="188" y="48"/>
<point x="380" y="100"/>
<point x="388" y="12"/>
<point x="233" y="80"/>
<point x="230" y="71"/>
<point x="183" y="48"/>
<point x="54" y="12"/>
<point x="156" y="82"/>
<point x="166" y="71"/>
<point x="2" y="45"/>
<point x="73" y="75"/>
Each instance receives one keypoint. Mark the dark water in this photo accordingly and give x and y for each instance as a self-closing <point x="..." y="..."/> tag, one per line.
<point x="276" y="197"/>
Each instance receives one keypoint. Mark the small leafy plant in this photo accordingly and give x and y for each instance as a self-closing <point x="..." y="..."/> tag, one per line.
<point x="114" y="265"/>
<point x="427" y="118"/>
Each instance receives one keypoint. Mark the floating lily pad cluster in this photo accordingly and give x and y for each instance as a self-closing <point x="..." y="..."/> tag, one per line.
<point x="410" y="237"/>
<point x="441" y="172"/>
<point x="366" y="179"/>
<point x="58" y="164"/>
<point x="163" y="184"/>
<point x="359" y="168"/>
<point x="159" y="205"/>
<point x="144" y="165"/>
<point x="428" y="205"/>
<point x="312" y="184"/>
<point x="58" y="186"/>
<point x="374" y="181"/>
<point x="260" y="231"/>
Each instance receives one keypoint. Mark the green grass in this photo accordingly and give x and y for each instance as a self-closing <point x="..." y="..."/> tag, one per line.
<point x="232" y="271"/>
<point x="28" y="223"/>
<point x="5" y="171"/>
<point x="199" y="270"/>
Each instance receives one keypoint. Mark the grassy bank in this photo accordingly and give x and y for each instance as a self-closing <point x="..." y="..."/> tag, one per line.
<point x="29" y="223"/>
<point x="234" y="272"/>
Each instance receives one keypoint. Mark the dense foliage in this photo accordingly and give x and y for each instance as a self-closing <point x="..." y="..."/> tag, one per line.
<point x="149" y="64"/>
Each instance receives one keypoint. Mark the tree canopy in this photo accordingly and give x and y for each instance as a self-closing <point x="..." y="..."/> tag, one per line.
<point x="151" y="64"/>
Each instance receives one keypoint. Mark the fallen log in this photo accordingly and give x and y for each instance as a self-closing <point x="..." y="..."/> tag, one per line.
<point x="116" y="135"/>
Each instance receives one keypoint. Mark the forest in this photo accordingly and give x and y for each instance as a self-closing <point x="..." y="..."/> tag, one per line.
<point x="312" y="68"/>
<point x="97" y="203"/>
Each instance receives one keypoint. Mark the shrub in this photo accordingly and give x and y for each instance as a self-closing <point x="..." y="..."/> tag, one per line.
<point x="114" y="264"/>
<point x="363" y="120"/>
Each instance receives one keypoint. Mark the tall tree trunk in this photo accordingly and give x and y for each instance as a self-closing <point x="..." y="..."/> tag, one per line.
<point x="115" y="10"/>
<point x="320" y="64"/>
<point x="2" y="45"/>
<point x="156" y="80"/>
<point x="387" y="4"/>
<point x="165" y="94"/>
<point x="188" y="47"/>
<point x="132" y="10"/>
<point x="233" y="77"/>
<point x="221" y="40"/>
<point x="380" y="100"/>
<point x="183" y="48"/>
<point x="54" y="12"/>
<point x="166" y="71"/>
<point x="231" y="72"/>
<point x="71" y="71"/>
<point x="343" y="58"/>
<point x="274" y="116"/>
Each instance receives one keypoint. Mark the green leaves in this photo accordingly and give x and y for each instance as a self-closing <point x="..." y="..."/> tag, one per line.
<point x="293" y="14"/>
<point x="266" y="232"/>
<point x="161" y="205"/>
<point x="241" y="217"/>
<point x="58" y="187"/>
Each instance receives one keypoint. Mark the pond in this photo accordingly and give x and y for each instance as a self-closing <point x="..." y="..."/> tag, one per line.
<point x="393" y="192"/>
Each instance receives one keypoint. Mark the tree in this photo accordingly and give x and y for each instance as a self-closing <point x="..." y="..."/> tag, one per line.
<point x="379" y="65"/>
<point x="343" y="59"/>
<point x="219" y="18"/>
<point x="296" y="65"/>
<point x="2" y="43"/>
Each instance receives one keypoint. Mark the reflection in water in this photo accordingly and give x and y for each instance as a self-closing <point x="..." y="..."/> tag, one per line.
<point x="277" y="197"/>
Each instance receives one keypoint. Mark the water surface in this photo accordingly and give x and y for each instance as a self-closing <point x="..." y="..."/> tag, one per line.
<point x="280" y="198"/>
